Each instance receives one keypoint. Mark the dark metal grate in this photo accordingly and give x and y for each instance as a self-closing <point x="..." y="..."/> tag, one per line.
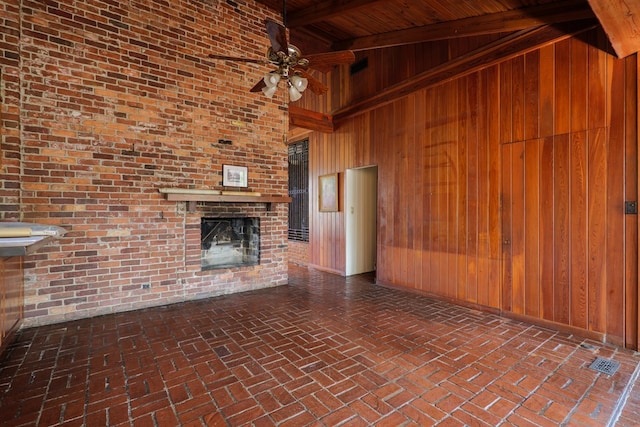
<point x="299" y="191"/>
<point x="606" y="366"/>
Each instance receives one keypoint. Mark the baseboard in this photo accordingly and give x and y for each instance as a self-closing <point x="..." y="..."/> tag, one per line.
<point x="326" y="269"/>
<point x="543" y="323"/>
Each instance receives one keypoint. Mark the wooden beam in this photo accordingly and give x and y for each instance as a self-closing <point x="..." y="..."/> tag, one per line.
<point x="310" y="42"/>
<point x="297" y="134"/>
<point x="621" y="21"/>
<point x="322" y="11"/>
<point x="308" y="119"/>
<point x="513" y="20"/>
<point x="506" y="48"/>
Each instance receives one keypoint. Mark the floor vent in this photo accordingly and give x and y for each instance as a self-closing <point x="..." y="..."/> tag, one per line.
<point x="606" y="366"/>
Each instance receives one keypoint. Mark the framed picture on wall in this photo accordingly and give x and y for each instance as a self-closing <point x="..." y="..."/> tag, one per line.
<point x="328" y="193"/>
<point x="234" y="176"/>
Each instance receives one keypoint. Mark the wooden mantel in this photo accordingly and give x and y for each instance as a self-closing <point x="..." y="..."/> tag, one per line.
<point x="192" y="197"/>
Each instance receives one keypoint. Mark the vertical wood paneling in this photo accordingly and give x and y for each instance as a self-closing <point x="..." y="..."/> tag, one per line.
<point x="424" y="171"/>
<point x="473" y="234"/>
<point x="596" y="75"/>
<point x="432" y="176"/>
<point x="561" y="196"/>
<point x="518" y="98"/>
<point x="506" y="301"/>
<point x="494" y="182"/>
<point x="454" y="186"/>
<point x="578" y="80"/>
<point x="517" y="244"/>
<point x="597" y="225"/>
<point x="578" y="230"/>
<point x="631" y="221"/>
<point x="414" y="270"/>
<point x="420" y="194"/>
<point x="385" y="191"/>
<point x="615" y="196"/>
<point x="11" y="297"/>
<point x="504" y="188"/>
<point x="506" y="103"/>
<point x="484" y="157"/>
<point x="532" y="227"/>
<point x="531" y="95"/>
<point x="547" y="226"/>
<point x="547" y="91"/>
<point x="448" y="191"/>
<point x="399" y="180"/>
<point x="462" y="190"/>
<point x="439" y="225"/>
<point x="562" y="88"/>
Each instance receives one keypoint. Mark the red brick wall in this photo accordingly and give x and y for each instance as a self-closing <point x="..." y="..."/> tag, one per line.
<point x="299" y="252"/>
<point x="9" y="111"/>
<point x="119" y="100"/>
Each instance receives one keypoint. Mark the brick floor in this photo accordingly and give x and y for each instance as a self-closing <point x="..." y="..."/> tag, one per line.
<point x="324" y="350"/>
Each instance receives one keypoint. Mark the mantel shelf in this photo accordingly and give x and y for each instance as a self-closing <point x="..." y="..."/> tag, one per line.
<point x="199" y="196"/>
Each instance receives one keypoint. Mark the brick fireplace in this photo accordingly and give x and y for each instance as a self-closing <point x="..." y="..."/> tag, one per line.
<point x="128" y="103"/>
<point x="229" y="242"/>
<point x="271" y="270"/>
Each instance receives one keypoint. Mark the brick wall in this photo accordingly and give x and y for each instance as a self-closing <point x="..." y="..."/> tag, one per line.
<point x="298" y="252"/>
<point x="9" y="111"/>
<point x="119" y="100"/>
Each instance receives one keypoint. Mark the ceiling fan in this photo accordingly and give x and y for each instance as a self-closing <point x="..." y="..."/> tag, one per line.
<point x="291" y="67"/>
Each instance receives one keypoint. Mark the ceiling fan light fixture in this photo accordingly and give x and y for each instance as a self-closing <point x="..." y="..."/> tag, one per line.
<point x="300" y="83"/>
<point x="271" y="79"/>
<point x="294" y="93"/>
<point x="289" y="63"/>
<point x="269" y="91"/>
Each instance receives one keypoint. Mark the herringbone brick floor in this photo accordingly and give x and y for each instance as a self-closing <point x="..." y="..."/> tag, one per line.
<point x="324" y="350"/>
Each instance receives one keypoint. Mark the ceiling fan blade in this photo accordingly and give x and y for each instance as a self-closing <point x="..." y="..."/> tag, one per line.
<point x="277" y="36"/>
<point x="314" y="85"/>
<point x="258" y="86"/>
<point x="324" y="62"/>
<point x="239" y="59"/>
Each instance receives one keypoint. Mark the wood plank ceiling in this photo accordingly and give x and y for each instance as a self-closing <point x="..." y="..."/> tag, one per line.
<point x="369" y="24"/>
<point x="361" y="25"/>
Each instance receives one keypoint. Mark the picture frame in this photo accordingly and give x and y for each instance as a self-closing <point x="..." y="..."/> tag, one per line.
<point x="328" y="193"/>
<point x="234" y="176"/>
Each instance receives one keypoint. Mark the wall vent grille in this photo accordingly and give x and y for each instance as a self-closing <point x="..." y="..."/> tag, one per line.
<point x="359" y="66"/>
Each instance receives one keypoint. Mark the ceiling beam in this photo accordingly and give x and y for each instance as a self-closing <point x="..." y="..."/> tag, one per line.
<point x="513" y="20"/>
<point x="312" y="120"/>
<point x="310" y="42"/>
<point x="322" y="11"/>
<point x="506" y="48"/>
<point x="621" y="21"/>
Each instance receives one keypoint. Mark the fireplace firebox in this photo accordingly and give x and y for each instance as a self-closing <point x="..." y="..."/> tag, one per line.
<point x="230" y="242"/>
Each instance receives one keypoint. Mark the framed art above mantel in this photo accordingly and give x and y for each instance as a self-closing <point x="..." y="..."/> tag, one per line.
<point x="234" y="176"/>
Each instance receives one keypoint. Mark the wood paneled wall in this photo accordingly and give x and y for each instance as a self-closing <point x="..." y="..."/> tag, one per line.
<point x="504" y="188"/>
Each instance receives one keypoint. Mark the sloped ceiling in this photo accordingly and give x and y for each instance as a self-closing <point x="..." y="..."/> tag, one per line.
<point x="330" y="25"/>
<point x="361" y="25"/>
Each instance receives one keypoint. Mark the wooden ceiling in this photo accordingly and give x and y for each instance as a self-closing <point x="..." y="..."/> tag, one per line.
<point x="330" y="25"/>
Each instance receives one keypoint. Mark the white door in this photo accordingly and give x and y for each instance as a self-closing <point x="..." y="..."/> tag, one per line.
<point x="361" y="202"/>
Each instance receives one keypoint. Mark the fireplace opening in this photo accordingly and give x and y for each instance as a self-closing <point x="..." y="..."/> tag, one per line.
<point x="230" y="242"/>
